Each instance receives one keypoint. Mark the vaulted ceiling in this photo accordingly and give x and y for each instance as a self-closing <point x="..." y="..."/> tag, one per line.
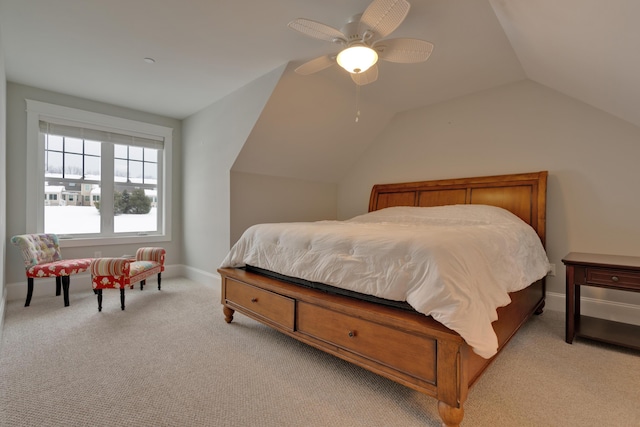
<point x="205" y="50"/>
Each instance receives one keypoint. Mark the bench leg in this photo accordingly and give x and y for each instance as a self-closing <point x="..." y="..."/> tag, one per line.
<point x="159" y="274"/>
<point x="29" y="291"/>
<point x="142" y="283"/>
<point x="99" y="293"/>
<point x="122" y="298"/>
<point x="58" y="285"/>
<point x="65" y="289"/>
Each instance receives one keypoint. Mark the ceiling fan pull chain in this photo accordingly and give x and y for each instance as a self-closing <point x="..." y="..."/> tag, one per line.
<point x="357" y="103"/>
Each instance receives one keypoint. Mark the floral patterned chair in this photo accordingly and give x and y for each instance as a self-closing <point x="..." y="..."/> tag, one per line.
<point x="43" y="258"/>
<point x="119" y="273"/>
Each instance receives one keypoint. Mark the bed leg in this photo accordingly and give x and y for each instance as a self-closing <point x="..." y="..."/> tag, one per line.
<point x="451" y="417"/>
<point x="228" y="314"/>
<point x="540" y="308"/>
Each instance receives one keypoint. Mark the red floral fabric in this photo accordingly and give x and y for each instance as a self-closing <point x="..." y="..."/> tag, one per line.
<point x="59" y="268"/>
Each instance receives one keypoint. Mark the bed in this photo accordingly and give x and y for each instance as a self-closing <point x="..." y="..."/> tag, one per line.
<point x="392" y="340"/>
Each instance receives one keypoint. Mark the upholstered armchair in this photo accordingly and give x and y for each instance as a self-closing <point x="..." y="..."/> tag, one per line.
<point x="43" y="258"/>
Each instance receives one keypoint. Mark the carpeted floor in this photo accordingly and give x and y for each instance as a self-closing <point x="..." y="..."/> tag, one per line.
<point x="170" y="359"/>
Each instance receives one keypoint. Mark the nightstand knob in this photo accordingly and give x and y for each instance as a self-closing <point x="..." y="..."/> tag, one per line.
<point x="254" y="299"/>
<point x="614" y="278"/>
<point x="352" y="334"/>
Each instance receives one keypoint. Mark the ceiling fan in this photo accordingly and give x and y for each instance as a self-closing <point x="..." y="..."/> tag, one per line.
<point x="362" y="39"/>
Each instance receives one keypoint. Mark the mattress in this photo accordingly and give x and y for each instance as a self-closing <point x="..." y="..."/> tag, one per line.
<point x="403" y="305"/>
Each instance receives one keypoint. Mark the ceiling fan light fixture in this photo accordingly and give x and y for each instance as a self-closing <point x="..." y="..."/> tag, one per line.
<point x="357" y="59"/>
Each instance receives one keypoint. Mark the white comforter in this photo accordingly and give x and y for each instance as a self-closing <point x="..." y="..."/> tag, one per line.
<point x="456" y="263"/>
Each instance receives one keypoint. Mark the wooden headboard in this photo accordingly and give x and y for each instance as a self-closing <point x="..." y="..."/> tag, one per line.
<point x="523" y="194"/>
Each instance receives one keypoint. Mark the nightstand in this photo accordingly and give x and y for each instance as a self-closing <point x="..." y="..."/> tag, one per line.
<point x="604" y="271"/>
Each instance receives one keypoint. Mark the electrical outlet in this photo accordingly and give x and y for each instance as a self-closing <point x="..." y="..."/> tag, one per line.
<point x="97" y="254"/>
<point x="552" y="272"/>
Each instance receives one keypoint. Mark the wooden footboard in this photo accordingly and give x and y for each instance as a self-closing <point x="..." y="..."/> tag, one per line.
<point x="406" y="347"/>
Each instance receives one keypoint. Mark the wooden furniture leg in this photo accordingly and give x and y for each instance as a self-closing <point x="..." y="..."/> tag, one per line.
<point x="122" y="298"/>
<point x="570" y="305"/>
<point x="451" y="417"/>
<point x="29" y="291"/>
<point x="99" y="293"/>
<point x="58" y="285"/>
<point x="228" y="314"/>
<point x="65" y="289"/>
<point x="159" y="274"/>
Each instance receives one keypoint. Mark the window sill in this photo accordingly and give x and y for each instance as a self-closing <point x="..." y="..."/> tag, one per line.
<point x="78" y="242"/>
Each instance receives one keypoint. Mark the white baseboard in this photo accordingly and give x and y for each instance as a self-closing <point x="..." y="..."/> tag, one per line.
<point x="2" y="306"/>
<point x="203" y="277"/>
<point x="82" y="282"/>
<point x="603" y="309"/>
<point x="619" y="312"/>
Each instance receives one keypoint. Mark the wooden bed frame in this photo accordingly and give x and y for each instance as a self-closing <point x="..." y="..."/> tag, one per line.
<point x="407" y="347"/>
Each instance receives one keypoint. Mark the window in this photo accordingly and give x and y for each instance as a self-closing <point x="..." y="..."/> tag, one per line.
<point x="98" y="177"/>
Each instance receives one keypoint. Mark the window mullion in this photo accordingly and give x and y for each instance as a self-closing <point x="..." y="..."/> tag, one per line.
<point x="159" y="193"/>
<point x="106" y="189"/>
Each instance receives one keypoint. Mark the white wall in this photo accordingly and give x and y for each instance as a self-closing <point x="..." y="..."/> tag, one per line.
<point x="17" y="173"/>
<point x="3" y="186"/>
<point x="261" y="199"/>
<point x="592" y="159"/>
<point x="212" y="139"/>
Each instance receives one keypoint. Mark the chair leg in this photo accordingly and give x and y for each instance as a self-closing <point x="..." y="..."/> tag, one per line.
<point x="29" y="291"/>
<point x="58" y="285"/>
<point x="159" y="274"/>
<point x="99" y="293"/>
<point x="122" y="298"/>
<point x="65" y="289"/>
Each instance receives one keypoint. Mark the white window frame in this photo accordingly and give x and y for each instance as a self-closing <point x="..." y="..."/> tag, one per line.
<point x="37" y="111"/>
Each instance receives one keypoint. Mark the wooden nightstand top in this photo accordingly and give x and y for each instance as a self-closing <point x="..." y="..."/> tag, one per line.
<point x="601" y="260"/>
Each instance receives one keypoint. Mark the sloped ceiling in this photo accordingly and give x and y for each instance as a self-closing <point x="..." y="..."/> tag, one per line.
<point x="206" y="49"/>
<point x="587" y="49"/>
<point x="309" y="131"/>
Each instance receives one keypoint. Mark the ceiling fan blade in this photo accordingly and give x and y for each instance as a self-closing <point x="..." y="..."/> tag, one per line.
<point x="369" y="76"/>
<point x="403" y="50"/>
<point x="317" y="30"/>
<point x="384" y="16"/>
<point x="316" y="65"/>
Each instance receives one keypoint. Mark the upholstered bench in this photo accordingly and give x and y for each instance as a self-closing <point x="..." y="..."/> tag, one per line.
<point x="119" y="273"/>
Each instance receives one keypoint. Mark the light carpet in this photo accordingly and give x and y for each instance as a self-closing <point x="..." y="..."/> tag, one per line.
<point x="170" y="359"/>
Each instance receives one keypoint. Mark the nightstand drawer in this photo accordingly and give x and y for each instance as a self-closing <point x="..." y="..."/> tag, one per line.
<point x="613" y="278"/>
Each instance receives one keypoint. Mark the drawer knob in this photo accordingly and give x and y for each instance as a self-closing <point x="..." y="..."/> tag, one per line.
<point x="614" y="278"/>
<point x="254" y="299"/>
<point x="352" y="334"/>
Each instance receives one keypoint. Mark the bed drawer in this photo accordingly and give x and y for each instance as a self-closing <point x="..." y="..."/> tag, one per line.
<point x="261" y="304"/>
<point x="412" y="354"/>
